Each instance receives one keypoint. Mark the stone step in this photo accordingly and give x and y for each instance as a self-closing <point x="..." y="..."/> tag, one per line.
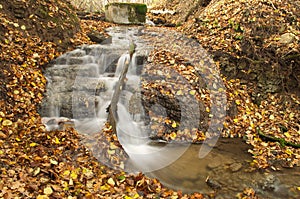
<point x="72" y="71"/>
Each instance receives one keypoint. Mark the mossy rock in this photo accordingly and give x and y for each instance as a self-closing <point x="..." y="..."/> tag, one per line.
<point x="126" y="13"/>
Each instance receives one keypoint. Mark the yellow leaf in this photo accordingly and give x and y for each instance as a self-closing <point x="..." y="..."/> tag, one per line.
<point x="57" y="140"/>
<point x="235" y="120"/>
<point x="179" y="92"/>
<point x="73" y="175"/>
<point x="16" y="92"/>
<point x="104" y="187"/>
<point x="48" y="191"/>
<point x="174" y="125"/>
<point x="298" y="188"/>
<point x="1" y="152"/>
<point x="221" y="90"/>
<point x="53" y="162"/>
<point x="111" y="152"/>
<point x="173" y="135"/>
<point x="289" y="151"/>
<point x="111" y="182"/>
<point x="287" y="134"/>
<point x="291" y="116"/>
<point x="7" y="123"/>
<point x="42" y="197"/>
<point x="238" y="102"/>
<point x="207" y="109"/>
<point x="252" y="125"/>
<point x="192" y="92"/>
<point x="33" y="144"/>
<point x="271" y="117"/>
<point x="113" y="146"/>
<point x="36" y="171"/>
<point x="66" y="173"/>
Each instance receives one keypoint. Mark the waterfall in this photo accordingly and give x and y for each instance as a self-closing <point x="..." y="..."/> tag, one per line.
<point x="80" y="88"/>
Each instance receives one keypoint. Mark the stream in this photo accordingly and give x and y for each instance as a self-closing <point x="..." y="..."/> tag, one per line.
<point x="79" y="90"/>
<point x="226" y="170"/>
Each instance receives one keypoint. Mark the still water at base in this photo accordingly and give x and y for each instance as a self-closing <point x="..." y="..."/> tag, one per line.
<point x="226" y="172"/>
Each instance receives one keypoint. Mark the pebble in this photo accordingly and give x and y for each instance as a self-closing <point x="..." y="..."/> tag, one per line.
<point x="213" y="165"/>
<point x="235" y="167"/>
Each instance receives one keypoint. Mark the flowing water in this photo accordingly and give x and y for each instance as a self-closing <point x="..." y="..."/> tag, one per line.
<point x="79" y="90"/>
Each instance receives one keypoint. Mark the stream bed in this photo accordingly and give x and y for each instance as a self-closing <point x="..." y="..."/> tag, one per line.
<point x="226" y="171"/>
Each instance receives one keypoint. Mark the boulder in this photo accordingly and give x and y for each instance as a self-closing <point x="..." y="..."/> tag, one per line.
<point x="126" y="13"/>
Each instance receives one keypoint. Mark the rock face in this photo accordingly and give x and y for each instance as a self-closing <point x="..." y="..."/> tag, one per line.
<point x="126" y="13"/>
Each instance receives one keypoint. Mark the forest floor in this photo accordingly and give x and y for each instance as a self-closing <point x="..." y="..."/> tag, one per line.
<point x="36" y="163"/>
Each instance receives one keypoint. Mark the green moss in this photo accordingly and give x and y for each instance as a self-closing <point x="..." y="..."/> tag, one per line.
<point x="141" y="8"/>
<point x="136" y="11"/>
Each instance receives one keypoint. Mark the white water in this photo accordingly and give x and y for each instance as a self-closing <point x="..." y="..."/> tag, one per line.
<point x="144" y="157"/>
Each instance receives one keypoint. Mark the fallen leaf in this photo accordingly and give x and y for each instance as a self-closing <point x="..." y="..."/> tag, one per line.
<point x="111" y="182"/>
<point x="48" y="190"/>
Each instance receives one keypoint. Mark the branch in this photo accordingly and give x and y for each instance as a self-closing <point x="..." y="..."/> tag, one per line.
<point x="282" y="141"/>
<point x="112" y="108"/>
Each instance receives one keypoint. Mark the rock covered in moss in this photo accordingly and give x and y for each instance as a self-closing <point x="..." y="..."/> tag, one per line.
<point x="126" y="13"/>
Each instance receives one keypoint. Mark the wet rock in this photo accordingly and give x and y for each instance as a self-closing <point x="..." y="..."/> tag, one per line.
<point x="213" y="184"/>
<point x="214" y="164"/>
<point x="235" y="167"/>
<point x="96" y="36"/>
<point x="57" y="123"/>
<point x="269" y="183"/>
